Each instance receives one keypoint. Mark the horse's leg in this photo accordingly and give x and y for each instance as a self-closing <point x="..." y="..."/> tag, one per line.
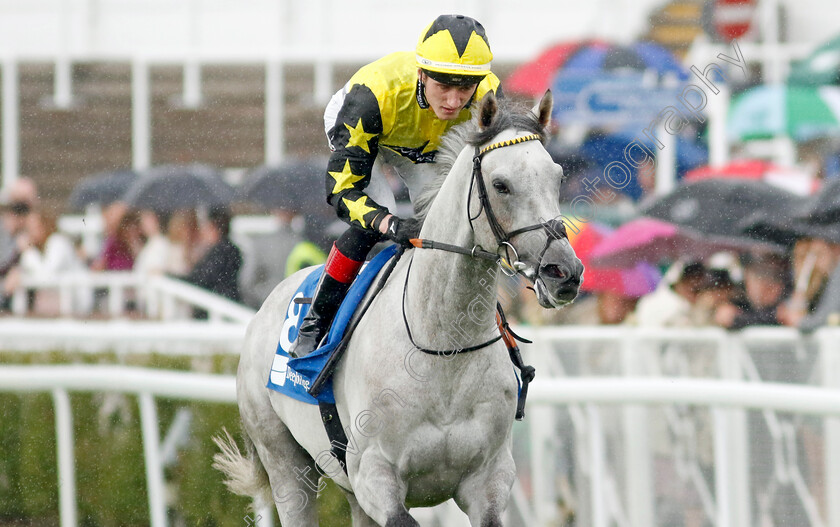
<point x="358" y="514"/>
<point x="381" y="493"/>
<point x="483" y="496"/>
<point x="291" y="472"/>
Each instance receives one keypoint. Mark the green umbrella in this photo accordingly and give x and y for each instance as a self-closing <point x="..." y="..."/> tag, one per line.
<point x="799" y="112"/>
<point x="821" y="67"/>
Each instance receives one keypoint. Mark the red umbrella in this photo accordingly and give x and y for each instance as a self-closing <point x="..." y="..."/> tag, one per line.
<point x="742" y="169"/>
<point x="791" y="178"/>
<point x="534" y="78"/>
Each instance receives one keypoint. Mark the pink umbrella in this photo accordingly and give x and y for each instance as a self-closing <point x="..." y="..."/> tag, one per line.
<point x="634" y="282"/>
<point x="651" y="240"/>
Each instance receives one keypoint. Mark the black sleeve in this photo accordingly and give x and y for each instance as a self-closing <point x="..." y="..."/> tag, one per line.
<point x="355" y="143"/>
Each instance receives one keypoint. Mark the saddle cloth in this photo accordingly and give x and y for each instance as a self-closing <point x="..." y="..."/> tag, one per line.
<point x="293" y="377"/>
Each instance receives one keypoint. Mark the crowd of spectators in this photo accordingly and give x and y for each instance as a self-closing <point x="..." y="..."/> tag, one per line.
<point x="799" y="288"/>
<point x="191" y="245"/>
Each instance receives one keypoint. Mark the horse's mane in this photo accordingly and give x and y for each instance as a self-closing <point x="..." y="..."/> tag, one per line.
<point x="510" y="114"/>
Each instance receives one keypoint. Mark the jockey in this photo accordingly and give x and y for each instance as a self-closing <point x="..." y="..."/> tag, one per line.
<point x="392" y="111"/>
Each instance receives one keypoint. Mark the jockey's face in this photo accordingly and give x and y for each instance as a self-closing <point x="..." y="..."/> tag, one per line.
<point x="446" y="100"/>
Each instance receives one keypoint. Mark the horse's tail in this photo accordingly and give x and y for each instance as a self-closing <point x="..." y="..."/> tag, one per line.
<point x="244" y="473"/>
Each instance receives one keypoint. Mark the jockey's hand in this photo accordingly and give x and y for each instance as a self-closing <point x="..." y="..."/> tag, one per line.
<point x="402" y="231"/>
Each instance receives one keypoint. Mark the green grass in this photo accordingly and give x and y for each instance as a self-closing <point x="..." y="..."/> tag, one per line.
<point x="110" y="473"/>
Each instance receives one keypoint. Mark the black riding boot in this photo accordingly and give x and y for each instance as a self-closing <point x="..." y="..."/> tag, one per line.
<point x="325" y="302"/>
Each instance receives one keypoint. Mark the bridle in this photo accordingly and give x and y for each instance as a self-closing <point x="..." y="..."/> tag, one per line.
<point x="555" y="230"/>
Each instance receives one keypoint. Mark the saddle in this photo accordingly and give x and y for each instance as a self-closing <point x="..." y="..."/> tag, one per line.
<point x="309" y="379"/>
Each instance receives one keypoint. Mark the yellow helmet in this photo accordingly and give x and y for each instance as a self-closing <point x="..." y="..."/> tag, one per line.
<point x="454" y="50"/>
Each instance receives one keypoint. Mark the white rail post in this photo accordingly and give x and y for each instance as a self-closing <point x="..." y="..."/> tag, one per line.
<point x="154" y="468"/>
<point x="66" y="459"/>
<point x="732" y="485"/>
<point x="723" y="469"/>
<point x="66" y="293"/>
<point x="323" y="81"/>
<point x="322" y="10"/>
<point x="542" y="428"/>
<point x="116" y="300"/>
<point x="598" y="469"/>
<point x="717" y="109"/>
<point x="637" y="454"/>
<point x="771" y="56"/>
<point x="191" y="97"/>
<point x="141" y="118"/>
<point x="830" y="358"/>
<point x="63" y="81"/>
<point x="20" y="301"/>
<point x="274" y="112"/>
<point x="192" y="84"/>
<point x="11" y="122"/>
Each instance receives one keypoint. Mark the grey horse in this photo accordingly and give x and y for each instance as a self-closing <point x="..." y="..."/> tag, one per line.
<point x="422" y="428"/>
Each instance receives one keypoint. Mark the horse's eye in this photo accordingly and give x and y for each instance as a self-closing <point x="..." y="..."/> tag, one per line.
<point x="500" y="187"/>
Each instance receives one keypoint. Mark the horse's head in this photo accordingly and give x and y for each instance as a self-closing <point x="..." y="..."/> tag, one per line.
<point x="518" y="189"/>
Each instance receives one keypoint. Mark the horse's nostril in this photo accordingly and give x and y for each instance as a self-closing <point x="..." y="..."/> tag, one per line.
<point x="554" y="272"/>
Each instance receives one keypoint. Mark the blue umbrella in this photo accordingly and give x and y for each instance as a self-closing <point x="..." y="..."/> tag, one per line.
<point x="606" y="84"/>
<point x="609" y="58"/>
<point x="602" y="149"/>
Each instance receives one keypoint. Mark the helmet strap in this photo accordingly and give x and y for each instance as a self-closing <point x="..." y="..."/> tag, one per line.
<point x="421" y="93"/>
<point x="469" y="103"/>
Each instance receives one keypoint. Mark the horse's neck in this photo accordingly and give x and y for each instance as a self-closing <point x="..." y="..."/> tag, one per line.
<point x="451" y="298"/>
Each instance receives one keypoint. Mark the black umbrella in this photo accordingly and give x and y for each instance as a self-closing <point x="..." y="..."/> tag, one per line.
<point x="770" y="228"/>
<point x="298" y="186"/>
<point x="715" y="208"/>
<point x="102" y="189"/>
<point x="787" y="225"/>
<point x="167" y="188"/>
<point x="824" y="207"/>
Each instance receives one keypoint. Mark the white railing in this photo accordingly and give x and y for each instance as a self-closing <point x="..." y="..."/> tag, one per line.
<point x="182" y="338"/>
<point x="638" y="386"/>
<point x="634" y="368"/>
<point x="157" y="296"/>
<point x="146" y="384"/>
<point x="89" y="227"/>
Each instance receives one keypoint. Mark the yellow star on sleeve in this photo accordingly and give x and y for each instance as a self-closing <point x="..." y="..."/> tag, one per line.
<point x="358" y="209"/>
<point x="344" y="179"/>
<point x="358" y="136"/>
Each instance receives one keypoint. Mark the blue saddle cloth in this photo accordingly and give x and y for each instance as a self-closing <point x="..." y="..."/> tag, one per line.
<point x="293" y="377"/>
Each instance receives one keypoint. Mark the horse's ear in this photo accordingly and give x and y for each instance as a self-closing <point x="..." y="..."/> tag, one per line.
<point x="543" y="109"/>
<point x="487" y="111"/>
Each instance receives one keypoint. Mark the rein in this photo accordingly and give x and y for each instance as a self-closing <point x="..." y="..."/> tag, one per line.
<point x="439" y="353"/>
